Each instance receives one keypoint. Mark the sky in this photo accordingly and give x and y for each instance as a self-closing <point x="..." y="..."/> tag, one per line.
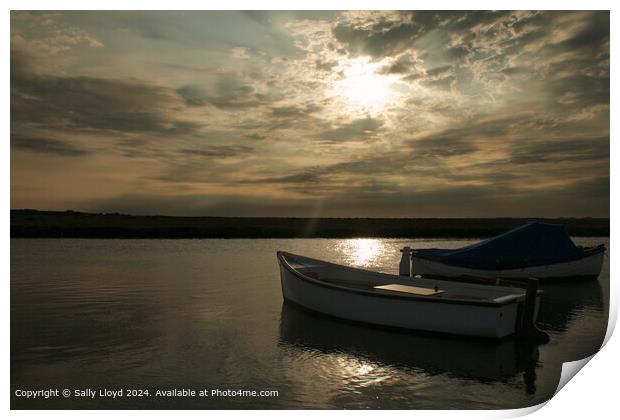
<point x="310" y="114"/>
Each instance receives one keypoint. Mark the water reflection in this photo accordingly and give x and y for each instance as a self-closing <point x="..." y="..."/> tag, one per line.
<point x="564" y="301"/>
<point x="373" y="354"/>
<point x="208" y="313"/>
<point x="362" y="252"/>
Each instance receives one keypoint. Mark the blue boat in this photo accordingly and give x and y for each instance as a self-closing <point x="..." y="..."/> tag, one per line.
<point x="541" y="250"/>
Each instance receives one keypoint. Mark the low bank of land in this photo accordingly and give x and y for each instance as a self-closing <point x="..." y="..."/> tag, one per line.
<point x="69" y="224"/>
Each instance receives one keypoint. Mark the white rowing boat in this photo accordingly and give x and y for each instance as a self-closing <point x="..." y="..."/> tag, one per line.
<point x="437" y="306"/>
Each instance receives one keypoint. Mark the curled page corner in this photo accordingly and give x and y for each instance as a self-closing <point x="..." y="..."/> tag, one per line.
<point x="612" y="317"/>
<point x="569" y="370"/>
<point x="520" y="412"/>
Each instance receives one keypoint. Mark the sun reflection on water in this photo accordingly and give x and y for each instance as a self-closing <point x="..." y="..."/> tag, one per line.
<point x="357" y="373"/>
<point x="362" y="252"/>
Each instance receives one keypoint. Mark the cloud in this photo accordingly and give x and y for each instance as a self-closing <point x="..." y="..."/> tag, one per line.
<point x="193" y="95"/>
<point x="583" y="90"/>
<point x="558" y="150"/>
<point x="463" y="140"/>
<point x="294" y="111"/>
<point x="302" y="178"/>
<point x="506" y="151"/>
<point x="595" y="32"/>
<point x="444" y="83"/>
<point x="402" y="64"/>
<point x="197" y="30"/>
<point x="94" y="103"/>
<point x="356" y="130"/>
<point x="380" y="200"/>
<point x="326" y="65"/>
<point x="47" y="146"/>
<point x="217" y="151"/>
<point x="444" y="144"/>
<point x="242" y="53"/>
<point x="229" y="92"/>
<point x="490" y="113"/>
<point x="439" y="72"/>
<point x="52" y="35"/>
<point x="378" y="35"/>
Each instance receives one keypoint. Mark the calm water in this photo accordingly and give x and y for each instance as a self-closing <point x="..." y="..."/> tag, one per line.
<point x="208" y="314"/>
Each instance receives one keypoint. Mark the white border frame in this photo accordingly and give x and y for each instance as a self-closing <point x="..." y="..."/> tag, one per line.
<point x="591" y="394"/>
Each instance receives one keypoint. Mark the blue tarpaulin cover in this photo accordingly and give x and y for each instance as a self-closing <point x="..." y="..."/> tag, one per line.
<point x="529" y="245"/>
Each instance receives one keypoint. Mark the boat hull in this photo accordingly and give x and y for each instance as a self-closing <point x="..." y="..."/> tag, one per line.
<point x="461" y="318"/>
<point x="588" y="267"/>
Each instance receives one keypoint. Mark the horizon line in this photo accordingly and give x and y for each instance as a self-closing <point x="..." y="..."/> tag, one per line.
<point x="117" y="213"/>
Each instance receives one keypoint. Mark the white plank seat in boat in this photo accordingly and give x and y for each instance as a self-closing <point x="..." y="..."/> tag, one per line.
<point x="507" y="298"/>
<point x="415" y="290"/>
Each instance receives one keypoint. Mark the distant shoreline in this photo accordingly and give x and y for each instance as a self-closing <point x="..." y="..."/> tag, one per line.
<point x="69" y="224"/>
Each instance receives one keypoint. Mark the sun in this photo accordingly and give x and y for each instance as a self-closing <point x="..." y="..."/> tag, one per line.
<point x="363" y="88"/>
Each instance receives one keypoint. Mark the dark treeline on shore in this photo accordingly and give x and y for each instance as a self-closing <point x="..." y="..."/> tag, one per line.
<point x="70" y="224"/>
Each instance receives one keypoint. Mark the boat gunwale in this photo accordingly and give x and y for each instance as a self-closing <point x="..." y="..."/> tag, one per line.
<point x="382" y="294"/>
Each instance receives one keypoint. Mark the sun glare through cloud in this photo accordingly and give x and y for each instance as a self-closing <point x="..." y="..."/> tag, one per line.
<point x="362" y="88"/>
